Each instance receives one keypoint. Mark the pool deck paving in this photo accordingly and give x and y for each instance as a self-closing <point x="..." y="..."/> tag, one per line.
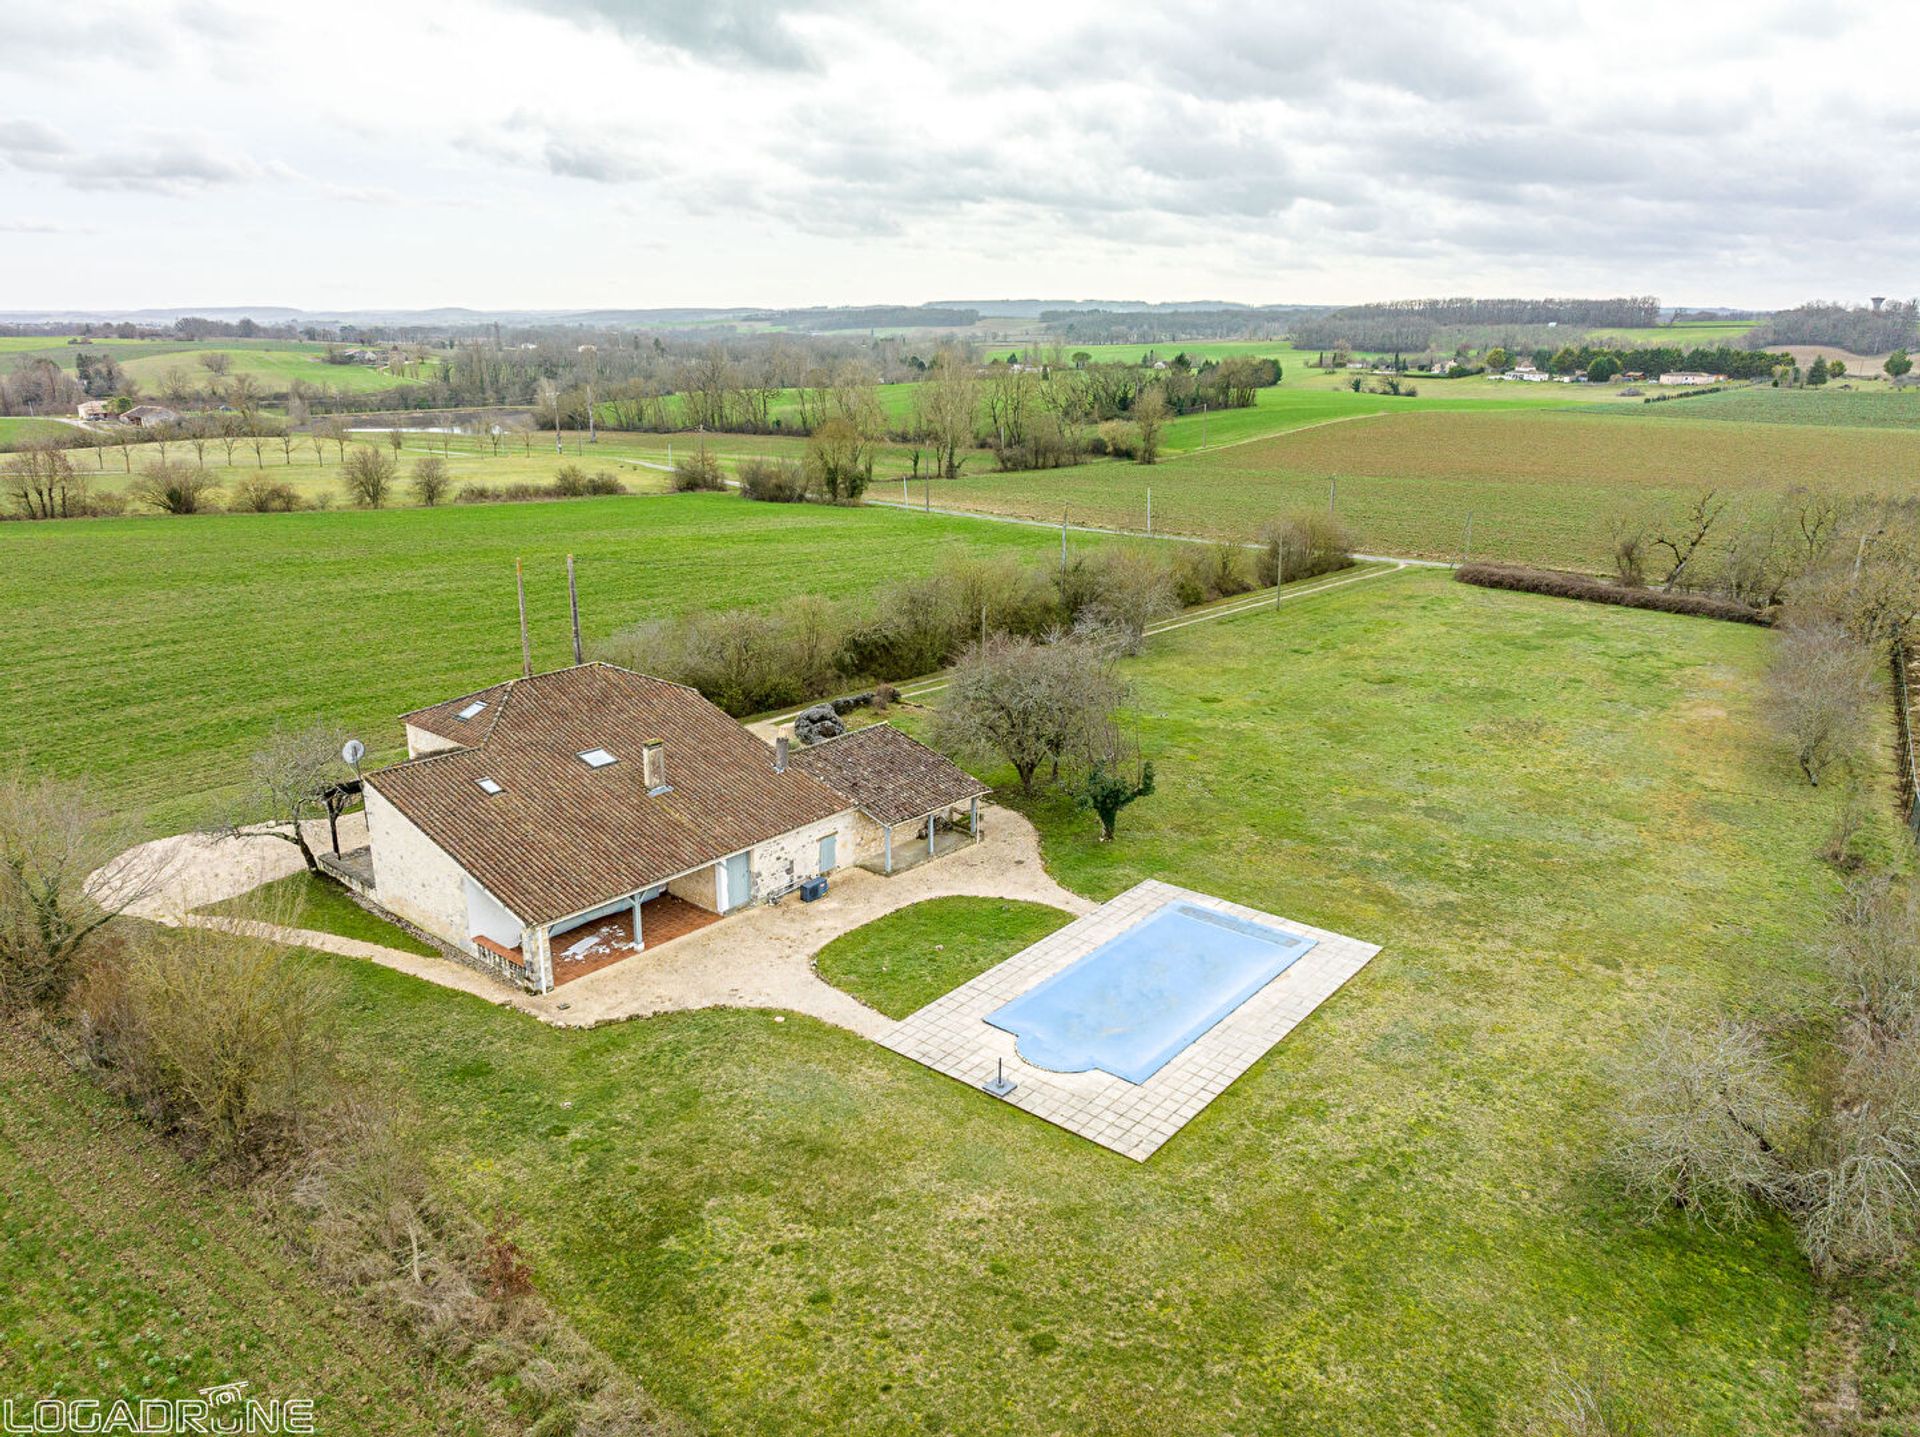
<point x="951" y="1034"/>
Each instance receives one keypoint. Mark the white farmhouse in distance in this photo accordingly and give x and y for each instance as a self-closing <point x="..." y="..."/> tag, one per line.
<point x="1690" y="376"/>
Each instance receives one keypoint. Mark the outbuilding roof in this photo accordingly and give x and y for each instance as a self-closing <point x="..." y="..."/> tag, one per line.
<point x="562" y="835"/>
<point x="890" y="776"/>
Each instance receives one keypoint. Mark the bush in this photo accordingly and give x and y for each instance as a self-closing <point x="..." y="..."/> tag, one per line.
<point x="1119" y="438"/>
<point x="1132" y="588"/>
<point x="369" y="476"/>
<point x="1301" y="545"/>
<point x="1597" y="591"/>
<point x="1822" y="686"/>
<point x="774" y="481"/>
<point x="219" y="1039"/>
<point x="175" y="489"/>
<point x="1205" y="572"/>
<point x="698" y="472"/>
<point x="260" y="495"/>
<point x="431" y="480"/>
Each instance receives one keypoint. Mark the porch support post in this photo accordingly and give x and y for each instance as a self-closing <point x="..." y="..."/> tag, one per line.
<point x="639" y="941"/>
<point x="886" y="836"/>
<point x="929" y="835"/>
<point x="973" y="818"/>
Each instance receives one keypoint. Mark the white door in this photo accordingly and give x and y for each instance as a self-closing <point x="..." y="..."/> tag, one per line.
<point x="829" y="853"/>
<point x="736" y="881"/>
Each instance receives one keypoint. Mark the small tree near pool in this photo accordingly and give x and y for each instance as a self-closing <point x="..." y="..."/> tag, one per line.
<point x="1108" y="788"/>
<point x="1029" y="703"/>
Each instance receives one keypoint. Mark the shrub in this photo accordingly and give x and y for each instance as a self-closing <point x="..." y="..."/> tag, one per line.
<point x="1204" y="572"/>
<point x="431" y="480"/>
<point x="601" y="483"/>
<point x="175" y="488"/>
<point x="774" y="481"/>
<point x="1119" y="438"/>
<point x="369" y="476"/>
<point x="1132" y="588"/>
<point x="697" y="472"/>
<point x="1821" y="689"/>
<point x="839" y="462"/>
<point x="1597" y="591"/>
<point x="1301" y="545"/>
<point x="259" y="495"/>
<point x="217" y="1038"/>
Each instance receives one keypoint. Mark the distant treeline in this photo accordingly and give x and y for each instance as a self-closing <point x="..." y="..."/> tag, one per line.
<point x="1896" y="325"/>
<point x="1117" y="326"/>
<point x="879" y="316"/>
<point x="1409" y="324"/>
<point x="1657" y="360"/>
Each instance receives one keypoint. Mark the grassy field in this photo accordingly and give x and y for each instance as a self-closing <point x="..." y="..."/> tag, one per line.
<point x="1541" y="486"/>
<point x="122" y="1276"/>
<point x="1683" y="336"/>
<point x="18" y="429"/>
<point x="274" y="362"/>
<point x="154" y="654"/>
<point x="1563" y="823"/>
<point x="302" y="900"/>
<point x="1877" y="407"/>
<point x="902" y="962"/>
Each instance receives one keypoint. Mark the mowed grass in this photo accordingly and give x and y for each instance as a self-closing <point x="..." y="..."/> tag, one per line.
<point x="153" y="655"/>
<point x="123" y="1276"/>
<point x="304" y="900"/>
<point x="1565" y="824"/>
<point x="902" y="962"/>
<point x="1541" y="487"/>
<point x="274" y="362"/>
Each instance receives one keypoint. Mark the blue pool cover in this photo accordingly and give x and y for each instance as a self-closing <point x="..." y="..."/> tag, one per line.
<point x="1142" y="996"/>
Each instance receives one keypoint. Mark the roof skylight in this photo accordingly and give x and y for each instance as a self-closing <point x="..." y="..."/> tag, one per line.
<point x="490" y="786"/>
<point x="597" y="758"/>
<point x="471" y="709"/>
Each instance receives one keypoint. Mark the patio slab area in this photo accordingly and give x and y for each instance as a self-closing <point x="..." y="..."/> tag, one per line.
<point x="951" y="1034"/>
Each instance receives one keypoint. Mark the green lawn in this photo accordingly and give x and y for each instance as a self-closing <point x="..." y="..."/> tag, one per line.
<point x="153" y="654"/>
<point x="1564" y="823"/>
<point x="303" y="900"/>
<point x="123" y="1275"/>
<point x="16" y="430"/>
<point x="902" y="962"/>
<point x="1877" y="406"/>
<point x="274" y="362"/>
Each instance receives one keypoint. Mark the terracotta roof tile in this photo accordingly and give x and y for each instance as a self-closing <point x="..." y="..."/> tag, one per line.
<point x="891" y="776"/>
<point x="562" y="837"/>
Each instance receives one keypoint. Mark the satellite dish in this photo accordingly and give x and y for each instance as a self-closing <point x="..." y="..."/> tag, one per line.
<point x="352" y="751"/>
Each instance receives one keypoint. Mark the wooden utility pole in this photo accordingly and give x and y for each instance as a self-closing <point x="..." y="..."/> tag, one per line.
<point x="526" y="644"/>
<point x="1063" y="538"/>
<point x="1149" y="511"/>
<point x="573" y="602"/>
<point x="1466" y="549"/>
<point x="1333" y="489"/>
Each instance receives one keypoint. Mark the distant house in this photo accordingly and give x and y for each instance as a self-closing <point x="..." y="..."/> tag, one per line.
<point x="1690" y="376"/>
<point x="93" y="409"/>
<point x="548" y="826"/>
<point x="1527" y="374"/>
<point x="145" y="416"/>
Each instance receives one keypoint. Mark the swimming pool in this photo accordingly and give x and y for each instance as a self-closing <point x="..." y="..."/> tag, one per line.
<point x="1139" y="998"/>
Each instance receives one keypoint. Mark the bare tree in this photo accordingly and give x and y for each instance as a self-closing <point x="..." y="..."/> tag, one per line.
<point x="946" y="407"/>
<point x="1821" y="689"/>
<point x="1150" y="418"/>
<point x="1028" y="703"/>
<point x="216" y="362"/>
<point x="430" y="480"/>
<point x="369" y="476"/>
<point x="41" y="482"/>
<point x="290" y="779"/>
<point x="1703" y="1111"/>
<point x="1683" y="534"/>
<point x="175" y="488"/>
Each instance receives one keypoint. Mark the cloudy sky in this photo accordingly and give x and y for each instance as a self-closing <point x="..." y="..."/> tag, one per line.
<point x="634" y="153"/>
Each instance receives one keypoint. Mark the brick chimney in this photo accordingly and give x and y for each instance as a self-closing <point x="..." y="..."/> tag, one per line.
<point x="653" y="763"/>
<point x="782" y="741"/>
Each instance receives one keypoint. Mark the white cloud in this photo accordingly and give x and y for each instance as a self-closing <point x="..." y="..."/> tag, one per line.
<point x="640" y="152"/>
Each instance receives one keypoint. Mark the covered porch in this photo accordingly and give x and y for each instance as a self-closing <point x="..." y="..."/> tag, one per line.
<point x="608" y="939"/>
<point x="907" y="845"/>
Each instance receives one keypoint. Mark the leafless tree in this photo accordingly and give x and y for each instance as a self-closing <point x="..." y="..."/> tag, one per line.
<point x="41" y="482"/>
<point x="1821" y="690"/>
<point x="1150" y="418"/>
<point x="1704" y="1111"/>
<point x="1682" y="534"/>
<point x="430" y="480"/>
<point x="216" y="362"/>
<point x="1131" y="589"/>
<point x="946" y="406"/>
<point x="369" y="476"/>
<point x="290" y="778"/>
<point x="1028" y="703"/>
